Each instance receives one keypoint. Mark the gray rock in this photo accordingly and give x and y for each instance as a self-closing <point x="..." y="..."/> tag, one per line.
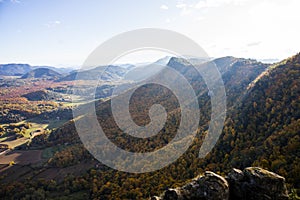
<point x="252" y="183"/>
<point x="255" y="183"/>
<point x="210" y="186"/>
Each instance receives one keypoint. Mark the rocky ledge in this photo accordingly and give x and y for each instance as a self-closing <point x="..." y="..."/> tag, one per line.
<point x="252" y="183"/>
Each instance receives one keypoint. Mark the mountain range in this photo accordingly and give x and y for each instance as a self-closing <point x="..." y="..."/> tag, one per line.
<point x="42" y="73"/>
<point x="13" y="69"/>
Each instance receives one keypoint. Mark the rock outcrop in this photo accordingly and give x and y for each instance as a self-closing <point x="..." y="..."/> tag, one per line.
<point x="252" y="183"/>
<point x="256" y="183"/>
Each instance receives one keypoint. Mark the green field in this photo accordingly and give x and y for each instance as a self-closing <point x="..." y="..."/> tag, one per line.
<point x="35" y="125"/>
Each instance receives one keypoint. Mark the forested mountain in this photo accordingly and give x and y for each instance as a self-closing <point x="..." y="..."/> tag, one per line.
<point x="237" y="74"/>
<point x="98" y="73"/>
<point x="14" y="69"/>
<point x="42" y="73"/>
<point x="61" y="70"/>
<point x="261" y="129"/>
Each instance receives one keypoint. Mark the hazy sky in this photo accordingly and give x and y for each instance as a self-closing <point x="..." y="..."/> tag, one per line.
<point x="64" y="32"/>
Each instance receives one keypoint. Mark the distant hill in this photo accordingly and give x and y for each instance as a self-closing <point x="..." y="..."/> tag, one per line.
<point x="146" y="70"/>
<point x="42" y="73"/>
<point x="37" y="95"/>
<point x="107" y="73"/>
<point x="41" y="95"/>
<point x="14" y="69"/>
<point x="237" y="74"/>
<point x="61" y="70"/>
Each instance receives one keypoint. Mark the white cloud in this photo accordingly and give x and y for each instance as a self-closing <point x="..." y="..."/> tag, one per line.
<point x="181" y="5"/>
<point x="208" y="4"/>
<point x="186" y="9"/>
<point x="164" y="7"/>
<point x="15" y="1"/>
<point x="52" y="24"/>
<point x="218" y="3"/>
<point x="200" y="18"/>
<point x="253" y="44"/>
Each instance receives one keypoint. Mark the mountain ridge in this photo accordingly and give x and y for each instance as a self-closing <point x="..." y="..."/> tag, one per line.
<point x="42" y="73"/>
<point x="19" y="69"/>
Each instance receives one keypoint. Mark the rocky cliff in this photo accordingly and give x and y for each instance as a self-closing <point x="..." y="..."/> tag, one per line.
<point x="252" y="183"/>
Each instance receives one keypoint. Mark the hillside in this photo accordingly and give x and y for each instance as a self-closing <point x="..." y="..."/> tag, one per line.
<point x="261" y="129"/>
<point x="42" y="73"/>
<point x="61" y="70"/>
<point x="42" y="95"/>
<point x="240" y="145"/>
<point x="107" y="73"/>
<point x="237" y="74"/>
<point x="14" y="69"/>
<point x="237" y="77"/>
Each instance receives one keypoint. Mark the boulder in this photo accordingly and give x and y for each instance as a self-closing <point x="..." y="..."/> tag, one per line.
<point x="255" y="183"/>
<point x="209" y="186"/>
<point x="252" y="183"/>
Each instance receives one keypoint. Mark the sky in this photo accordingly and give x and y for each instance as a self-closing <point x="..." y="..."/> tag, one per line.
<point x="63" y="33"/>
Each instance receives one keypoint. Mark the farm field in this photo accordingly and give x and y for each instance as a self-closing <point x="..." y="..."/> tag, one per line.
<point x="21" y="157"/>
